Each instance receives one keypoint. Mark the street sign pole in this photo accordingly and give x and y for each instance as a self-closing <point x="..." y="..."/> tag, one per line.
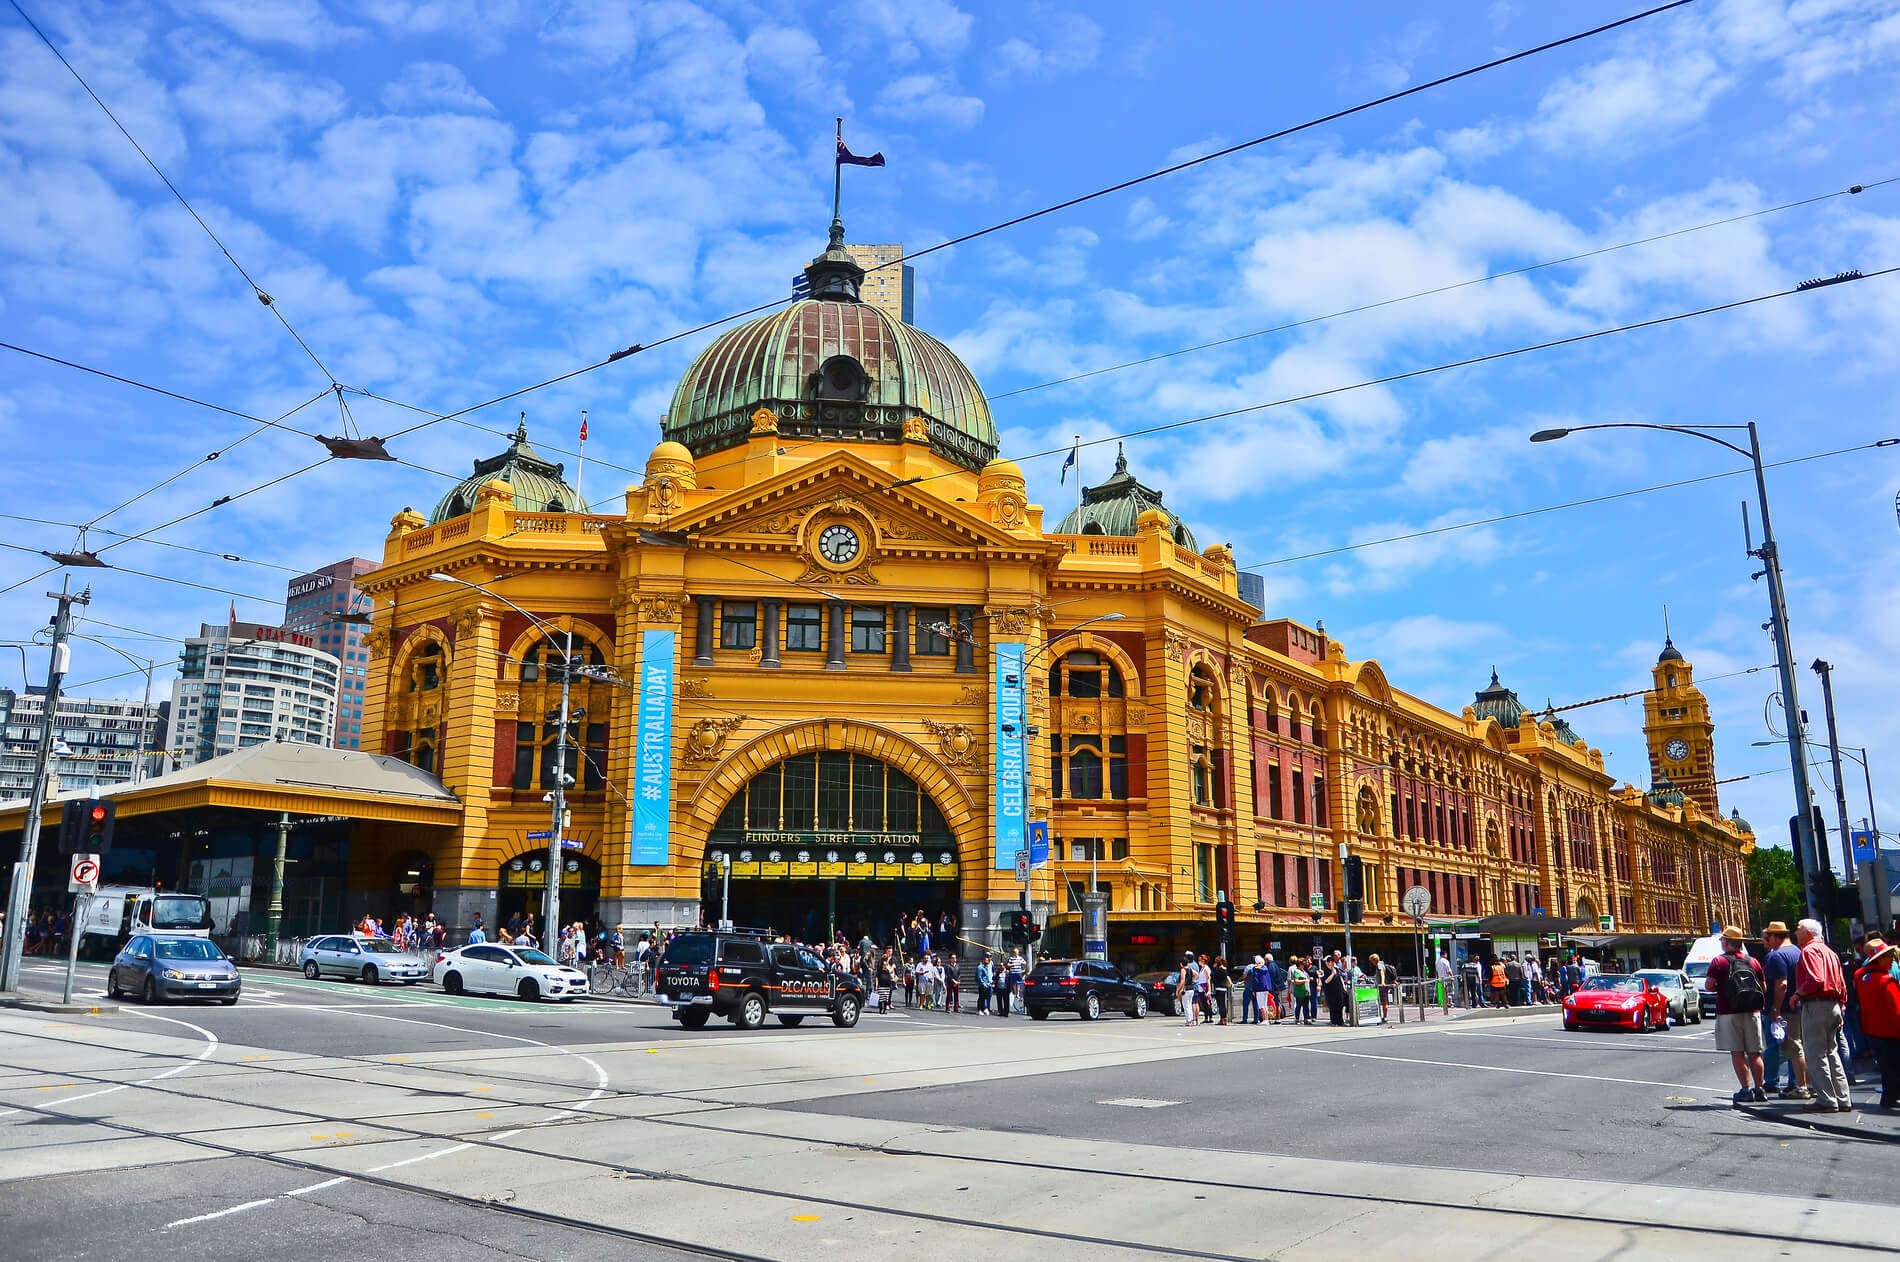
<point x="81" y="880"/>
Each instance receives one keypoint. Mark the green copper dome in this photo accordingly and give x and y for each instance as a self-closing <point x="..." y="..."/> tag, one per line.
<point x="538" y="485"/>
<point x="832" y="367"/>
<point x="1114" y="507"/>
<point x="1500" y="703"/>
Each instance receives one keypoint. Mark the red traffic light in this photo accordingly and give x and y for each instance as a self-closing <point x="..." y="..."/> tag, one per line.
<point x="98" y="814"/>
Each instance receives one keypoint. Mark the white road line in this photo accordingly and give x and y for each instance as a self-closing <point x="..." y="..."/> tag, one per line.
<point x="318" y="1187"/>
<point x="427" y="1156"/>
<point x="1502" y="1069"/>
<point x="223" y="1213"/>
<point x="1572" y="1041"/>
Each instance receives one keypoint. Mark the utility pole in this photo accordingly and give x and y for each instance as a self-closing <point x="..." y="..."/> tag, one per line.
<point x="19" y="897"/>
<point x="1862" y="874"/>
<point x="274" y="918"/>
<point x="552" y="943"/>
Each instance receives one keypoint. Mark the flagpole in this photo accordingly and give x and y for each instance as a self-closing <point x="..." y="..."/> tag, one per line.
<point x="837" y="175"/>
<point x="580" y="464"/>
<point x="1077" y="449"/>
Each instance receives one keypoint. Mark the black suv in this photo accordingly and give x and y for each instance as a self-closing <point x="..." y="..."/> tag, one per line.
<point x="742" y="977"/>
<point x="1084" y="987"/>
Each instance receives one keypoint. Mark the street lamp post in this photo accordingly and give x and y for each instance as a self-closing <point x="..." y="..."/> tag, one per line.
<point x="559" y="795"/>
<point x="1804" y="838"/>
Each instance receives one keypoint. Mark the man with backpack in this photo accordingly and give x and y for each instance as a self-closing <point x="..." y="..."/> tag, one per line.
<point x="1736" y="981"/>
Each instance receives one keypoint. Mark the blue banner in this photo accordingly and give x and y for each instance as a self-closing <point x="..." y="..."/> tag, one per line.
<point x="653" y="752"/>
<point x="1038" y="842"/>
<point x="1009" y="793"/>
<point x="1865" y="850"/>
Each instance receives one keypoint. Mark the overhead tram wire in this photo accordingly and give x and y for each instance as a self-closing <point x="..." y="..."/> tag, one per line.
<point x="257" y="290"/>
<point x="232" y="557"/>
<point x="1851" y="190"/>
<point x="1411" y="374"/>
<point x="162" y="578"/>
<point x="1068" y="203"/>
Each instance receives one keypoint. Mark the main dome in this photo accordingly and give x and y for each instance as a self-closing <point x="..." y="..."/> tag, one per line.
<point x="832" y="367"/>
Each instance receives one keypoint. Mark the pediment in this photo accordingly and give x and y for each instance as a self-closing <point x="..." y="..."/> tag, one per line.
<point x="785" y="508"/>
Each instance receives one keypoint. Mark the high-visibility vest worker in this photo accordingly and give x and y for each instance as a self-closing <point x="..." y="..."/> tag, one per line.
<point x="1497" y="975"/>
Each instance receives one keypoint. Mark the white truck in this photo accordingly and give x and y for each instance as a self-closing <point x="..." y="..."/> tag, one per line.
<point x="119" y="911"/>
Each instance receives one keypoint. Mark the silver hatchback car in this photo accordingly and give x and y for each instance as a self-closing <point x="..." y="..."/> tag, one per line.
<point x="372" y="960"/>
<point x="159" y="966"/>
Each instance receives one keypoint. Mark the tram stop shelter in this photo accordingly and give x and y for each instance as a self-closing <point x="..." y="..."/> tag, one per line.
<point x="357" y="829"/>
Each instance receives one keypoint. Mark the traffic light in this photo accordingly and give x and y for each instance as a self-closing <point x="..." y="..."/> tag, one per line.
<point x="1351" y="911"/>
<point x="1355" y="873"/>
<point x="100" y="813"/>
<point x="1224" y="915"/>
<point x="1019" y="927"/>
<point x="72" y="827"/>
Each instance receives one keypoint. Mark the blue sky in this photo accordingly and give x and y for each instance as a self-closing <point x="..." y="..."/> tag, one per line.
<point x="453" y="199"/>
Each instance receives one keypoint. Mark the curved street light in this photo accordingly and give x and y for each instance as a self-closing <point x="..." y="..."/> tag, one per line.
<point x="1805" y="840"/>
<point x="559" y="796"/>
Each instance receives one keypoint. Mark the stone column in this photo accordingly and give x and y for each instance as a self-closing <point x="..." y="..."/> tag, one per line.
<point x="966" y="647"/>
<point x="703" y="630"/>
<point x="768" y="633"/>
<point x="834" y="636"/>
<point x="900" y="628"/>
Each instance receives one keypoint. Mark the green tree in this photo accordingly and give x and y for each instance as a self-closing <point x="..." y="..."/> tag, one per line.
<point x="1774" y="887"/>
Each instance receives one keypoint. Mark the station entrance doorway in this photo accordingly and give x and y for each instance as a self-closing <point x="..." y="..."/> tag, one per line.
<point x="524" y="890"/>
<point x="828" y="843"/>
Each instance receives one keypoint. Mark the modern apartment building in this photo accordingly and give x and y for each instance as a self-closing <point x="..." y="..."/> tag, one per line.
<point x="246" y="683"/>
<point x="326" y="606"/>
<point x="98" y="741"/>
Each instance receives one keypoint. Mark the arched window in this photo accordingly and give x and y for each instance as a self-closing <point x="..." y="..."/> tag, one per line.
<point x="1368" y="812"/>
<point x="1271" y="707"/>
<point x="1318" y="730"/>
<point x="538" y="746"/>
<point x="1085" y="772"/>
<point x="425" y="668"/>
<point x="842" y="378"/>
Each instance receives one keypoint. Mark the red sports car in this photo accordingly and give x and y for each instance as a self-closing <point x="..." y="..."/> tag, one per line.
<point x="1616" y="1001"/>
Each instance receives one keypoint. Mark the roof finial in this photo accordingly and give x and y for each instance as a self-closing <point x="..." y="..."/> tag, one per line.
<point x="1121" y="461"/>
<point x="1494" y="677"/>
<point x="521" y="429"/>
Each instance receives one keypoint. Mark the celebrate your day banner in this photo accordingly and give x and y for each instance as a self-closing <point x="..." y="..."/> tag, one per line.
<point x="653" y="752"/>
<point x="1008" y="794"/>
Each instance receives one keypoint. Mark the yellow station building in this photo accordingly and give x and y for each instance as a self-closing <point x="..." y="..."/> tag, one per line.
<point x="831" y="644"/>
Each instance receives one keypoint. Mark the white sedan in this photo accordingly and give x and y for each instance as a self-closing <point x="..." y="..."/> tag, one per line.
<point x="492" y="968"/>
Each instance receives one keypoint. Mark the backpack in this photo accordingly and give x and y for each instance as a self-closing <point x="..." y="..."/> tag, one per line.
<point x="1741" y="986"/>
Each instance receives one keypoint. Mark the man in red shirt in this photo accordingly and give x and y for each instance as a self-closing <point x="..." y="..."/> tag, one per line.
<point x="1823" y="990"/>
<point x="1738" y="1028"/>
<point x="1877" y="985"/>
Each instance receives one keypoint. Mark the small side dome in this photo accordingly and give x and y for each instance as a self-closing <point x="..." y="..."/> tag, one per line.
<point x="1740" y="825"/>
<point x="1158" y="519"/>
<point x="670" y="460"/>
<point x="1670" y="652"/>
<point x="1119" y="506"/>
<point x="999" y="475"/>
<point x="538" y="485"/>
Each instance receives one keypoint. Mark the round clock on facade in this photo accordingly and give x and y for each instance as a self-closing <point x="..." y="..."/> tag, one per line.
<point x="1677" y="750"/>
<point x="838" y="544"/>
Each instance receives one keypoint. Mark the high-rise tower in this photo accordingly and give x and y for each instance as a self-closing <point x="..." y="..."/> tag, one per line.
<point x="1680" y="734"/>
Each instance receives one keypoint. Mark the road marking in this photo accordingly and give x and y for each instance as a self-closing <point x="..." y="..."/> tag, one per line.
<point x="1139" y="1102"/>
<point x="1501" y="1069"/>
<point x="211" y="1045"/>
<point x="222" y="1213"/>
<point x="318" y="1187"/>
<point x="427" y="1156"/>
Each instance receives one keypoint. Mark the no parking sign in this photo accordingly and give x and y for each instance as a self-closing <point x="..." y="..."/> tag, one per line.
<point x="84" y="877"/>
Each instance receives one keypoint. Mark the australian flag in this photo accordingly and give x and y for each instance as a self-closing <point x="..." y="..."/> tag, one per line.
<point x="1069" y="464"/>
<point x="847" y="158"/>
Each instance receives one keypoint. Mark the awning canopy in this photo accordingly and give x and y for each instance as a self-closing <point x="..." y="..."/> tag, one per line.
<point x="278" y="777"/>
<point x="1613" y="941"/>
<point x="1524" y="926"/>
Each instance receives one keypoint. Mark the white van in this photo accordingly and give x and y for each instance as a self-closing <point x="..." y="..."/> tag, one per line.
<point x="119" y="911"/>
<point x="1696" y="965"/>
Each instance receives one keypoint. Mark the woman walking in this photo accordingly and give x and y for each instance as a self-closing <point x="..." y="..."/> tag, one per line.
<point x="1299" y="984"/>
<point x="1223" y="988"/>
<point x="1333" y="982"/>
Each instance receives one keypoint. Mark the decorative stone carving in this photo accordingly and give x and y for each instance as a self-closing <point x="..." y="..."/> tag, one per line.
<point x="1012" y="510"/>
<point x="890" y="529"/>
<point x="765" y="421"/>
<point x="862" y="575"/>
<point x="955" y="741"/>
<point x="665" y="609"/>
<point x="377" y="643"/>
<point x="707" y="737"/>
<point x="1136" y="716"/>
<point x="1082" y="722"/>
<point x="1176" y="644"/>
<point x="467" y="620"/>
<point x="972" y="695"/>
<point x="784" y="523"/>
<point x="695" y="686"/>
<point x="664" y="496"/>
<point x="507" y="700"/>
<point x="916" y="429"/>
<point x="1010" y="619"/>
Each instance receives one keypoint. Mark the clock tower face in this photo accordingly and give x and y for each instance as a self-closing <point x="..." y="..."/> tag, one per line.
<point x="839" y="544"/>
<point x="1676" y="750"/>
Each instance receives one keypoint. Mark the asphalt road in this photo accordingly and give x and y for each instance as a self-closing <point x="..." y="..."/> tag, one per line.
<point x="325" y="1119"/>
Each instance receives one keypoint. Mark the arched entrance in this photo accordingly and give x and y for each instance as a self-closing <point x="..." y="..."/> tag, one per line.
<point x="524" y="889"/>
<point x="831" y="841"/>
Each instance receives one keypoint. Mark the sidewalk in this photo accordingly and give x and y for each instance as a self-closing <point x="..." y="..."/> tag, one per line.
<point x="34" y="1001"/>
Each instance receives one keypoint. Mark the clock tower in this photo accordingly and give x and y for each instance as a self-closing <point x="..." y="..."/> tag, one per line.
<point x="1681" y="737"/>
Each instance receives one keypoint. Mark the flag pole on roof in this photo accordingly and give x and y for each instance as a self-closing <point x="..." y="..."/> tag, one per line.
<point x="843" y="158"/>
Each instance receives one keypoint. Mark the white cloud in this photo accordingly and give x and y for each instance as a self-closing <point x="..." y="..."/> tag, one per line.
<point x="788" y="59"/>
<point x="929" y="98"/>
<point x="908" y="28"/>
<point x="1415" y="639"/>
<point x="1624" y="101"/>
<point x="601" y="33"/>
<point x="298" y="23"/>
<point x="427" y="85"/>
<point x="238" y="98"/>
<point x="1063" y="44"/>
